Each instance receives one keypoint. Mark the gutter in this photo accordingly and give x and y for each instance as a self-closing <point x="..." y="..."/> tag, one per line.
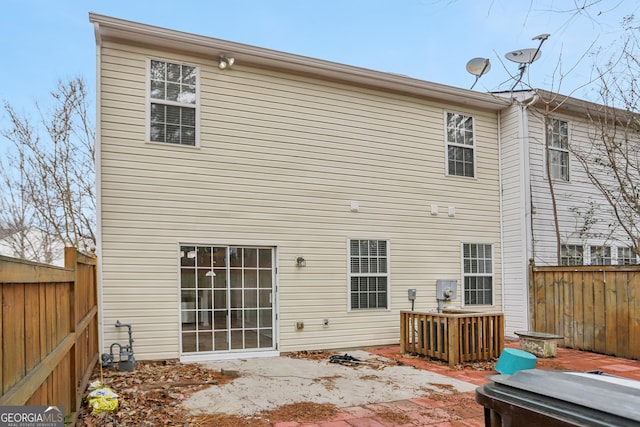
<point x="122" y="31"/>
<point x="528" y="217"/>
<point x="527" y="175"/>
<point x="502" y="287"/>
<point x="98" y="183"/>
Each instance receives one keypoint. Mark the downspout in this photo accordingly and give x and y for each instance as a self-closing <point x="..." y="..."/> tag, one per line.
<point x="502" y="306"/>
<point x="98" y="168"/>
<point x="527" y="178"/>
<point x="528" y="217"/>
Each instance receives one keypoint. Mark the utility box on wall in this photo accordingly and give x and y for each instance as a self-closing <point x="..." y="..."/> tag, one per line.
<point x="446" y="289"/>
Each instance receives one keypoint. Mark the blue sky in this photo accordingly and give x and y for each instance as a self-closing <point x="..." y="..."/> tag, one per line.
<point x="46" y="41"/>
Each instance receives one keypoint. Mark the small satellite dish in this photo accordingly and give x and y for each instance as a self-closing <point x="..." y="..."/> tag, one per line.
<point x="541" y="37"/>
<point x="478" y="66"/>
<point x="524" y="56"/>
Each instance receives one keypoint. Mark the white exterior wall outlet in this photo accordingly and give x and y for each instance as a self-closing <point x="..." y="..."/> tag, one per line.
<point x="355" y="206"/>
<point x="434" y="209"/>
<point x="452" y="211"/>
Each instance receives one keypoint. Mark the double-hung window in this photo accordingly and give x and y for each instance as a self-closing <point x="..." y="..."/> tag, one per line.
<point x="173" y="102"/>
<point x="571" y="255"/>
<point x="460" y="145"/>
<point x="626" y="256"/>
<point x="600" y="255"/>
<point x="478" y="273"/>
<point x="558" y="154"/>
<point x="368" y="274"/>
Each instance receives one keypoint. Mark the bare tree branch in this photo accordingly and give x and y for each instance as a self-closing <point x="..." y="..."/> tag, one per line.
<point x="55" y="174"/>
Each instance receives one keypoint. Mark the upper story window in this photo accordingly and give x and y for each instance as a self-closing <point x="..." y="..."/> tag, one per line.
<point x="558" y="155"/>
<point x="368" y="274"/>
<point x="460" y="145"/>
<point x="478" y="273"/>
<point x="173" y="103"/>
<point x="600" y="255"/>
<point x="571" y="255"/>
<point x="626" y="256"/>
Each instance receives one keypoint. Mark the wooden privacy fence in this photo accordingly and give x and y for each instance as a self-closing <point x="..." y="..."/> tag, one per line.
<point x="49" y="327"/>
<point x="595" y="308"/>
<point x="452" y="336"/>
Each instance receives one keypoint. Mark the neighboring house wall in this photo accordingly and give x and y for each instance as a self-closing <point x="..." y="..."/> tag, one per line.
<point x="584" y="216"/>
<point x="35" y="245"/>
<point x="281" y="158"/>
<point x="515" y="206"/>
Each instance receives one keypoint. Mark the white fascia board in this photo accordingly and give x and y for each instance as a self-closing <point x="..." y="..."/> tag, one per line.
<point x="553" y="102"/>
<point x="132" y="32"/>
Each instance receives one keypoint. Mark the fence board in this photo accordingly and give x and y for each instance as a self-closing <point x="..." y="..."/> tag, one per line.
<point x="20" y="271"/>
<point x="587" y="311"/>
<point x="32" y="325"/>
<point x="610" y="309"/>
<point x="567" y="310"/>
<point x="558" y="306"/>
<point x="599" y="315"/>
<point x="13" y="335"/>
<point x="634" y="315"/>
<point x="49" y="327"/>
<point x="49" y="313"/>
<point x="41" y="314"/>
<point x="595" y="308"/>
<point x="578" y="320"/>
<point x="622" y="313"/>
<point x="540" y="313"/>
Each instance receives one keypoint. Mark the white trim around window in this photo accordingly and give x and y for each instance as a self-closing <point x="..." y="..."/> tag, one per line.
<point x="600" y="255"/>
<point x="368" y="274"/>
<point x="478" y="277"/>
<point x="572" y="254"/>
<point x="558" y="136"/>
<point x="460" y="141"/>
<point x="626" y="256"/>
<point x="178" y="102"/>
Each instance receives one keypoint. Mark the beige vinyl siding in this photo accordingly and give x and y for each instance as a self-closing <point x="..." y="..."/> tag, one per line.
<point x="280" y="158"/>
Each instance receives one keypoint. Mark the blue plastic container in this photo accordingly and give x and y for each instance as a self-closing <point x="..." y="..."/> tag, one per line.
<point x="513" y="360"/>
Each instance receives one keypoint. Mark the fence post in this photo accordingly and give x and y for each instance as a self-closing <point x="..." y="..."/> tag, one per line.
<point x="71" y="262"/>
<point x="531" y="292"/>
<point x="453" y="346"/>
<point x="403" y="331"/>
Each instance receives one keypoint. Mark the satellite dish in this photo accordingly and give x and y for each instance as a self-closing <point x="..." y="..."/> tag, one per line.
<point x="524" y="56"/>
<point x="478" y="66"/>
<point x="541" y="37"/>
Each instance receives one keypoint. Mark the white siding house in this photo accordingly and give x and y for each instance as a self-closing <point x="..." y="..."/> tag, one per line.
<point x="34" y="245"/>
<point x="278" y="202"/>
<point x="585" y="220"/>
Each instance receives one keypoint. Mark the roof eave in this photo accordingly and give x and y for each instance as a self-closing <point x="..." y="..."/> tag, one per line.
<point x="108" y="28"/>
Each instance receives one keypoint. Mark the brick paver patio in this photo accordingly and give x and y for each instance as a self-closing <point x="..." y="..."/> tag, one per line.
<point x="460" y="409"/>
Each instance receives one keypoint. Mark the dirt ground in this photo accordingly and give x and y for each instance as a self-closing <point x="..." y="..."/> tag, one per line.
<point x="153" y="395"/>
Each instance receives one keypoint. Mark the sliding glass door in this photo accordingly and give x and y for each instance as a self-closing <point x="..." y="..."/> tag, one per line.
<point x="226" y="301"/>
